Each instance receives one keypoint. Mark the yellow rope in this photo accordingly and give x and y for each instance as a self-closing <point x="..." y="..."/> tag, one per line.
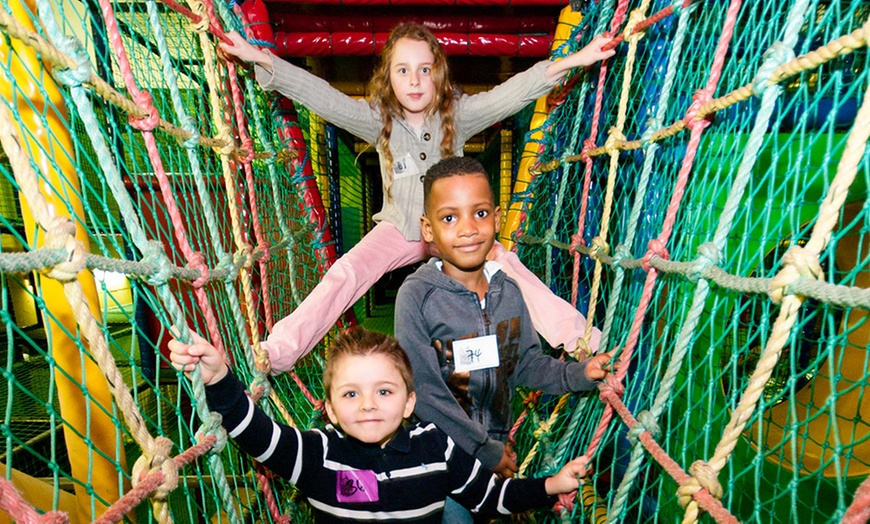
<point x="60" y="233"/>
<point x="615" y="136"/>
<point x="798" y="261"/>
<point x="52" y="55"/>
<point x="836" y="48"/>
<point x="543" y="429"/>
<point x="261" y="358"/>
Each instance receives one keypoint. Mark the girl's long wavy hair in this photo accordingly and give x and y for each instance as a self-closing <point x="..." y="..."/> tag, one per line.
<point x="384" y="99"/>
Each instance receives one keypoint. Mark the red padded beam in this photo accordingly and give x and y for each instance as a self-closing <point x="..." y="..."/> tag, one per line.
<point x="364" y="44"/>
<point x="464" y="3"/>
<point x="293" y="22"/>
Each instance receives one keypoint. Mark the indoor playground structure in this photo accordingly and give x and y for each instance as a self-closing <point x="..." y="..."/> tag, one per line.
<point x="702" y="196"/>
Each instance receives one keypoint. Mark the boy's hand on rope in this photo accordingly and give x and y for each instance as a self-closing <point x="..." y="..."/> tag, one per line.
<point x="569" y="478"/>
<point x="245" y="51"/>
<point x="507" y="466"/>
<point x="596" y="369"/>
<point x="185" y="357"/>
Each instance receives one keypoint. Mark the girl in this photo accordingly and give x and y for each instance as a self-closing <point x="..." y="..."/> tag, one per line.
<point x="367" y="466"/>
<point x="415" y="118"/>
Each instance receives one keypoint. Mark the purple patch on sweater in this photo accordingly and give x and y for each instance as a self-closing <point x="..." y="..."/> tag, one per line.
<point x="357" y="485"/>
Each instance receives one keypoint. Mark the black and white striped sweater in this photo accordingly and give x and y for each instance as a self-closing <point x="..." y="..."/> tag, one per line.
<point x="346" y="480"/>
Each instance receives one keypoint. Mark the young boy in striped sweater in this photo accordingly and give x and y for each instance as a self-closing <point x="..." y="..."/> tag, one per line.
<point x="367" y="465"/>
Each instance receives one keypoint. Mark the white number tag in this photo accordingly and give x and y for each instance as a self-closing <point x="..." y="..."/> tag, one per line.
<point x="475" y="353"/>
<point x="404" y="167"/>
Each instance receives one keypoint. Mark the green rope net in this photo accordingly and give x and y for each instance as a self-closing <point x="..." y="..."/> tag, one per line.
<point x="700" y="196"/>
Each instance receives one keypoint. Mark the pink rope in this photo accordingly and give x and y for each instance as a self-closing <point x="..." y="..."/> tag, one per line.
<point x="248" y="145"/>
<point x="20" y="510"/>
<point x="147" y="125"/>
<point x="195" y="18"/>
<point x="711" y="504"/>
<point x="658" y="245"/>
<point x="589" y="143"/>
<point x="151" y="482"/>
<point x="270" y="498"/>
<point x="533" y="398"/>
<point x="859" y="510"/>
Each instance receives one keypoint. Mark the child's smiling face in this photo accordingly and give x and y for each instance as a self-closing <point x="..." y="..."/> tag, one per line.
<point x="369" y="398"/>
<point x="461" y="220"/>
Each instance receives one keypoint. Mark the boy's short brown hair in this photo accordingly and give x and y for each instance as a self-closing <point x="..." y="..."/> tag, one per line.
<point x="360" y="342"/>
<point x="448" y="167"/>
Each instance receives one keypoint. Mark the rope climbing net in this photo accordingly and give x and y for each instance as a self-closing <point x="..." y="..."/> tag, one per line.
<point x="730" y="182"/>
<point x="150" y="188"/>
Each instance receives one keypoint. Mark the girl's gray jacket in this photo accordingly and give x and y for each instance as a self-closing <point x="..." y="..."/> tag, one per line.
<point x="414" y="151"/>
<point x="474" y="408"/>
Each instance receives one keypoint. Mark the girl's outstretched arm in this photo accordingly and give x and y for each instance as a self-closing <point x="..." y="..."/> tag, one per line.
<point x="589" y="55"/>
<point x="244" y="50"/>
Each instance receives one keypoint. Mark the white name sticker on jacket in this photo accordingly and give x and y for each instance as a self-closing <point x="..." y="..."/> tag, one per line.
<point x="404" y="167"/>
<point x="475" y="353"/>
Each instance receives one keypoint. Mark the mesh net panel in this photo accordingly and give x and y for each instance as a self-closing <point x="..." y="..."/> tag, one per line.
<point x="703" y="234"/>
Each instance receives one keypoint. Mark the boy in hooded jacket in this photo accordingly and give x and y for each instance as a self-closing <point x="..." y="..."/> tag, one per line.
<point x="465" y="326"/>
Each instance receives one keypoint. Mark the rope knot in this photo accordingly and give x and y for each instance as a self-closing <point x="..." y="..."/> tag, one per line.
<point x="197" y="261"/>
<point x="653" y="124"/>
<point x="246" y="253"/>
<point x="188" y="124"/>
<point x="699" y="100"/>
<point x="211" y="425"/>
<point x="198" y="7"/>
<point x="656" y="248"/>
<point x="582" y="350"/>
<point x="775" y="56"/>
<point x="588" y="145"/>
<point x="160" y="459"/>
<point x="154" y="254"/>
<point x="262" y="363"/>
<point x="798" y="262"/>
<point x="543" y="430"/>
<point x="708" y="256"/>
<point x="61" y="234"/>
<point x="229" y="142"/>
<point x="149" y="122"/>
<point x="635" y="17"/>
<point x="614" y="135"/>
<point x="263" y="247"/>
<point x="576" y="241"/>
<point x="605" y="390"/>
<point x="286" y="155"/>
<point x="532" y="399"/>
<point x="81" y="73"/>
<point x="548" y="235"/>
<point x="706" y="477"/>
<point x="228" y="263"/>
<point x="645" y="422"/>
<point x="600" y="249"/>
<point x="620" y="253"/>
<point x="259" y="388"/>
<point x="246" y="152"/>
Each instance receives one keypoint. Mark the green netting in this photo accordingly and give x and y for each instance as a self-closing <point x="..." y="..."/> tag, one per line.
<point x="700" y="251"/>
<point x="800" y="452"/>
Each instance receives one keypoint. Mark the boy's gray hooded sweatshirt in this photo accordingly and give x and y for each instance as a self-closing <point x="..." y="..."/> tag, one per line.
<point x="474" y="408"/>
